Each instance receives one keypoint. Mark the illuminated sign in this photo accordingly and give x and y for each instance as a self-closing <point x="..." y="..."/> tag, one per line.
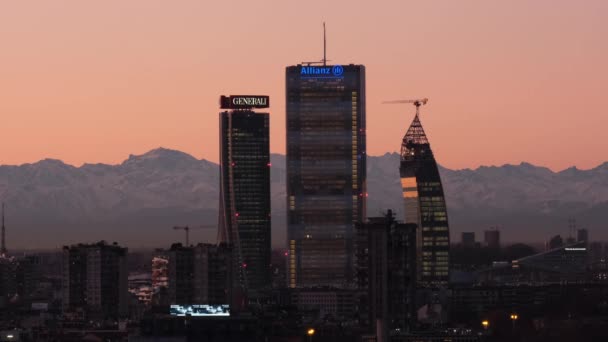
<point x="40" y="306"/>
<point x="200" y="310"/>
<point x="244" y="101"/>
<point x="576" y="248"/>
<point x="336" y="71"/>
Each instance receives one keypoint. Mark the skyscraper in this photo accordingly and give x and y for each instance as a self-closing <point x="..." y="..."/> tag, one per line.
<point x="245" y="189"/>
<point x="492" y="238"/>
<point x="467" y="239"/>
<point x="582" y="235"/>
<point x="326" y="172"/>
<point x="159" y="272"/>
<point x="386" y="272"/>
<point x="199" y="274"/>
<point x="555" y="242"/>
<point x="425" y="206"/>
<point x="95" y="279"/>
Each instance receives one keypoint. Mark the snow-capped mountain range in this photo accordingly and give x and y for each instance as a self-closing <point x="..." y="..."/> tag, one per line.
<point x="49" y="203"/>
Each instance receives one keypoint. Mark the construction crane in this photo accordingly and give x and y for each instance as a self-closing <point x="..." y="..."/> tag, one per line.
<point x="416" y="102"/>
<point x="188" y="228"/>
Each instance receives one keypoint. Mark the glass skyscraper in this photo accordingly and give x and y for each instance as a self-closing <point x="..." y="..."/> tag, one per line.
<point x="245" y="195"/>
<point x="425" y="206"/>
<point x="326" y="172"/>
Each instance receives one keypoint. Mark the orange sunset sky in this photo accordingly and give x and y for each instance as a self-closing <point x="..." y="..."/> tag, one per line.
<point x="508" y="81"/>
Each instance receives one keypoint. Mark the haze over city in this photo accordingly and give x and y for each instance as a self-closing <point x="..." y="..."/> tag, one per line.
<point x="88" y="82"/>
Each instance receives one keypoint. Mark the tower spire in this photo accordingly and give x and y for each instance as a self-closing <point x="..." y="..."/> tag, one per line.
<point x="415" y="133"/>
<point x="3" y="247"/>
<point x="324" y="46"/>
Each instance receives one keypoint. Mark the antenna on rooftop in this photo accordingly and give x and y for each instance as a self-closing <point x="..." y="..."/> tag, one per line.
<point x="324" y="60"/>
<point x="324" y="46"/>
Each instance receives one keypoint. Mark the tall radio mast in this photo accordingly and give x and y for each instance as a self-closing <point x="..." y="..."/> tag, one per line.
<point x="324" y="46"/>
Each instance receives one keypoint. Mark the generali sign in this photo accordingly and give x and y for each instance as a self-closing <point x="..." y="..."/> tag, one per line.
<point x="244" y="101"/>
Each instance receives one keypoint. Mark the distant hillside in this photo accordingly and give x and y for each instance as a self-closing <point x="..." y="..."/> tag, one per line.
<point x="137" y="202"/>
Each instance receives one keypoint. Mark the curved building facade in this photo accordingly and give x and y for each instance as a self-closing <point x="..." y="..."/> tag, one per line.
<point x="425" y="206"/>
<point x="244" y="218"/>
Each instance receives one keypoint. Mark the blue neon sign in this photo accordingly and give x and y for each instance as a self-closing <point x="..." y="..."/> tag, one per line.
<point x="336" y="71"/>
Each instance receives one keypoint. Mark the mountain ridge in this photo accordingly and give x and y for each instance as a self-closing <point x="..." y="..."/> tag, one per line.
<point x="155" y="151"/>
<point x="137" y="201"/>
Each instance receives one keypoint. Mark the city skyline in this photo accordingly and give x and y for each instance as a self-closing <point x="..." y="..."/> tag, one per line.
<point x="124" y="83"/>
<point x="323" y="215"/>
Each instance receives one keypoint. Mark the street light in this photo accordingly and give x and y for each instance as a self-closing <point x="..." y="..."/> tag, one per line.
<point x="514" y="318"/>
<point x="485" y="323"/>
<point x="310" y="333"/>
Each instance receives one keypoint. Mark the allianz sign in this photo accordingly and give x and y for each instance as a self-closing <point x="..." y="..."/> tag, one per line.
<point x="322" y="71"/>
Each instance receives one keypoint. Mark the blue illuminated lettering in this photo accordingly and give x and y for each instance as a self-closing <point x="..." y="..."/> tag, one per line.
<point x="337" y="70"/>
<point x="322" y="71"/>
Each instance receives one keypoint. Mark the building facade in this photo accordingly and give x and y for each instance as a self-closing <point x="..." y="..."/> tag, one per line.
<point x="8" y="278"/>
<point x="582" y="235"/>
<point x="491" y="238"/>
<point x="326" y="172"/>
<point x="159" y="272"/>
<point x="322" y="303"/>
<point x="180" y="273"/>
<point x="95" y="279"/>
<point x="199" y="274"/>
<point x="386" y="272"/>
<point x="245" y="190"/>
<point x="425" y="206"/>
<point x="555" y="242"/>
<point x="467" y="239"/>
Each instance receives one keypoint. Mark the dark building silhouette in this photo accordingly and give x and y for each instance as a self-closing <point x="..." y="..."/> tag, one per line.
<point x="199" y="274"/>
<point x="8" y="279"/>
<point x="326" y="171"/>
<point x="555" y="242"/>
<point x="491" y="238"/>
<point x="19" y="278"/>
<point x="582" y="235"/>
<point x="468" y="239"/>
<point x="28" y="276"/>
<point x="160" y="265"/>
<point x="245" y="190"/>
<point x="566" y="263"/>
<point x="95" y="280"/>
<point x="386" y="272"/>
<point x="597" y="252"/>
<point x="180" y="273"/>
<point x="425" y="206"/>
<point x="571" y="258"/>
<point x="316" y="304"/>
<point x="3" y="250"/>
